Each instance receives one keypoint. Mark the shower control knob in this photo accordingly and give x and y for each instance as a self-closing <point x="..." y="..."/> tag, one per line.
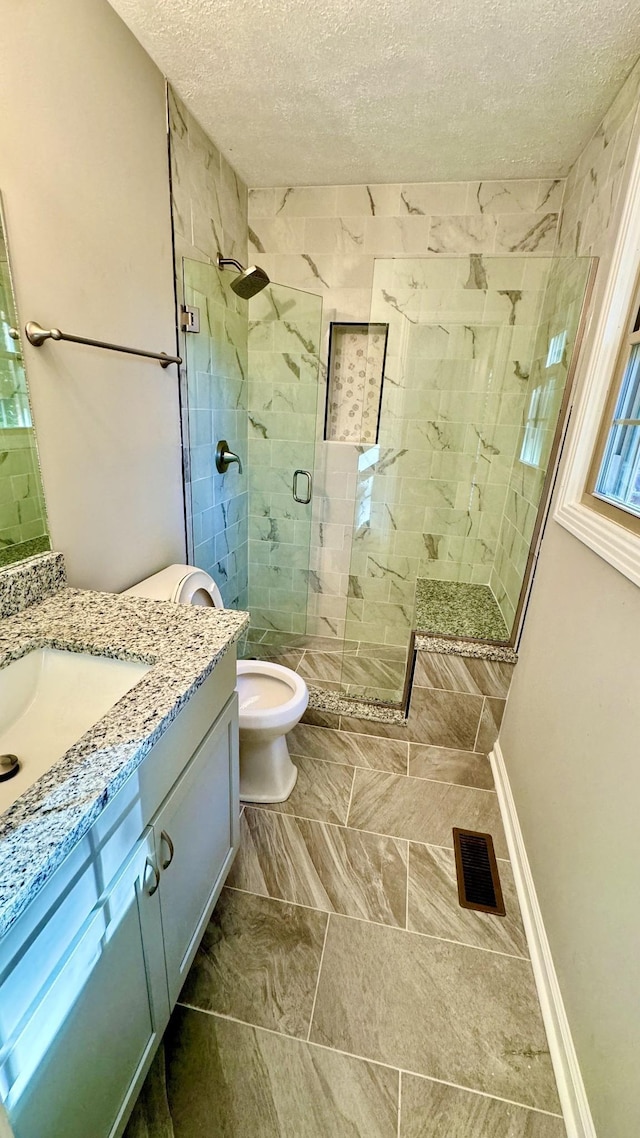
<point x="224" y="457"/>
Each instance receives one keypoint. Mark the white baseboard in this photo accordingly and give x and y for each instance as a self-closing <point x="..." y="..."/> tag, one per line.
<point x="573" y="1099"/>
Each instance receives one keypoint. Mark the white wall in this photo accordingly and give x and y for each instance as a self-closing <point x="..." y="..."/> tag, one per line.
<point x="571" y="732"/>
<point x="83" y="172"/>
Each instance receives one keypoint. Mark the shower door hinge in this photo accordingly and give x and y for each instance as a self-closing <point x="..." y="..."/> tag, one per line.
<point x="189" y="318"/>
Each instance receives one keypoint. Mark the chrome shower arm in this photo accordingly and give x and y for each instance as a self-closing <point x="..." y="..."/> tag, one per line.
<point x="223" y="262"/>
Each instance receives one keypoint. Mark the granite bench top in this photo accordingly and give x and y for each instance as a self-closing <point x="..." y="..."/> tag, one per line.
<point x="183" y="644"/>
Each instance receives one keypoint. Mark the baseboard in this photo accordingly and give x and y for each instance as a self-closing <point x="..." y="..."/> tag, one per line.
<point x="573" y="1099"/>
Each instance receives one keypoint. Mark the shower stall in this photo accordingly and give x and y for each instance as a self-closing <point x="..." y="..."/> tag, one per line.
<point x="395" y="469"/>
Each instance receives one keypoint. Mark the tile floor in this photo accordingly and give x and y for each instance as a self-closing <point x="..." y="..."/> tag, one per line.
<point x="340" y="991"/>
<point x="353" y="668"/>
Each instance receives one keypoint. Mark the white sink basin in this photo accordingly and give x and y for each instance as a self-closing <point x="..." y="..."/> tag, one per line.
<point x="48" y="699"/>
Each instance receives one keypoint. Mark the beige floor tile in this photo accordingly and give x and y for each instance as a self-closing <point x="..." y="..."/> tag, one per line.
<point x="322" y="791"/>
<point x="320" y="667"/>
<point x="347" y="747"/>
<point x="490" y="722"/>
<point x="463" y="674"/>
<point x="434" y="1008"/>
<point x="435" y="670"/>
<point x="434" y="1110"/>
<point x="327" y="867"/>
<point x="309" y="642"/>
<point x="381" y="730"/>
<point x="492" y="677"/>
<point x="434" y="909"/>
<point x="383" y="651"/>
<point x="439" y="718"/>
<point x="376" y="693"/>
<point x="467" y="768"/>
<point x="372" y="672"/>
<point x="423" y="811"/>
<point x="220" y="1079"/>
<point x="286" y="657"/>
<point x="444" y="719"/>
<point x="321" y="718"/>
<point x="258" y="962"/>
<point x="151" y="1116"/>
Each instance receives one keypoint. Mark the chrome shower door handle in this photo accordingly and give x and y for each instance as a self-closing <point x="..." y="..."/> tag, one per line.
<point x="296" y="497"/>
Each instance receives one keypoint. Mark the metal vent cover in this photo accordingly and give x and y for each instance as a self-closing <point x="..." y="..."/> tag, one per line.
<point x="477" y="872"/>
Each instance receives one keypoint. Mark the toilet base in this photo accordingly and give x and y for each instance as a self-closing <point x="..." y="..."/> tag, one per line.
<point x="266" y="771"/>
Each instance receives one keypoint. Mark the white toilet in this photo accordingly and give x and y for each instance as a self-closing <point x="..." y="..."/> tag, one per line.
<point x="272" y="699"/>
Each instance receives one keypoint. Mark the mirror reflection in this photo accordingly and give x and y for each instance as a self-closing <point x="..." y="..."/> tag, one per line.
<point x="23" y="520"/>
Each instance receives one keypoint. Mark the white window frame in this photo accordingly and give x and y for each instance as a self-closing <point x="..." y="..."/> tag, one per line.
<point x="619" y="546"/>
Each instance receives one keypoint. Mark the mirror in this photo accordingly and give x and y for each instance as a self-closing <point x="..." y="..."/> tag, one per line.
<point x="23" y="519"/>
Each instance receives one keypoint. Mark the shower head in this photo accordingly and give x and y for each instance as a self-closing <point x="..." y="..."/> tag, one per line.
<point x="249" y="282"/>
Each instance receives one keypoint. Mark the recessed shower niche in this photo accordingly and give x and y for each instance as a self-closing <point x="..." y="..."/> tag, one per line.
<point x="354" y="382"/>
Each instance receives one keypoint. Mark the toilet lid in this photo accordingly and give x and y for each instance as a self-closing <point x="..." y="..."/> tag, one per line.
<point x="197" y="588"/>
<point x="182" y="583"/>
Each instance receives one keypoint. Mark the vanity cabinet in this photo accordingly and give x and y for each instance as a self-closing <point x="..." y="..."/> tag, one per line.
<point x="103" y="1014"/>
<point x="102" y="957"/>
<point x="196" y="838"/>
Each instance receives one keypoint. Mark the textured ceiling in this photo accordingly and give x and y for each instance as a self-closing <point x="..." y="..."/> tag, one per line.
<point x="346" y="91"/>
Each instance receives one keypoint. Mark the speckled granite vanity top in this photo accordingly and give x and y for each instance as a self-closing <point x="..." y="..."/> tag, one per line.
<point x="182" y="643"/>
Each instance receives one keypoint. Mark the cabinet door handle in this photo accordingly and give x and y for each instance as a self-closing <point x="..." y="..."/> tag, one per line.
<point x="164" y="837"/>
<point x="156" y="877"/>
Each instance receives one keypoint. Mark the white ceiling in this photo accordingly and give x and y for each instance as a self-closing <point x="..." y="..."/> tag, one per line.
<point x="312" y="92"/>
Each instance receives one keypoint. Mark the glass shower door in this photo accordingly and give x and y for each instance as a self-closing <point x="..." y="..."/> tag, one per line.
<point x="252" y="374"/>
<point x="282" y="411"/>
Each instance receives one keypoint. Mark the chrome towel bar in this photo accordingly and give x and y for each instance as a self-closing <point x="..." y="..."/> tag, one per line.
<point x="37" y="336"/>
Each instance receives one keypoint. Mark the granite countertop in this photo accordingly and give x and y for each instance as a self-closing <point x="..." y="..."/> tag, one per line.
<point x="183" y="643"/>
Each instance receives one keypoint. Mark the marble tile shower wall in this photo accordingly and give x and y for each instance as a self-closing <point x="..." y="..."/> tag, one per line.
<point x="326" y="240"/>
<point x="461" y="339"/>
<point x="593" y="184"/>
<point x="209" y="207"/>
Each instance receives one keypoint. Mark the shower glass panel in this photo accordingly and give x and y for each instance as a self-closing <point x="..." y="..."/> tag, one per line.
<point x="215" y="408"/>
<point x="446" y="502"/>
<point x="284" y="363"/>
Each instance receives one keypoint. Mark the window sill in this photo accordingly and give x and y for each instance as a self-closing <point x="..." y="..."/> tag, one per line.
<point x="615" y="544"/>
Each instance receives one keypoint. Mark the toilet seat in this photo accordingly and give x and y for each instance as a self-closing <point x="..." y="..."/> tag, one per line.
<point x="273" y="698"/>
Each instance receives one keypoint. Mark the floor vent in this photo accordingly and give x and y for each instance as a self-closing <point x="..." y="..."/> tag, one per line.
<point x="477" y="872"/>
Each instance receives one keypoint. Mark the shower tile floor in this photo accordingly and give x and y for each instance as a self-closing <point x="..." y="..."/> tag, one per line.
<point x="340" y="990"/>
<point x="353" y="668"/>
<point x="455" y="608"/>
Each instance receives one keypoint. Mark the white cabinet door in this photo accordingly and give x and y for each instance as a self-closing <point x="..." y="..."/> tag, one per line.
<point x="196" y="839"/>
<point x="77" y="1061"/>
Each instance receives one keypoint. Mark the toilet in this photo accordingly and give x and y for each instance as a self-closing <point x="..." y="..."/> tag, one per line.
<point x="271" y="698"/>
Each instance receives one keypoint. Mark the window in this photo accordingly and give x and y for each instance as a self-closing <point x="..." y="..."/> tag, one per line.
<point x="613" y="483"/>
<point x="597" y="493"/>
